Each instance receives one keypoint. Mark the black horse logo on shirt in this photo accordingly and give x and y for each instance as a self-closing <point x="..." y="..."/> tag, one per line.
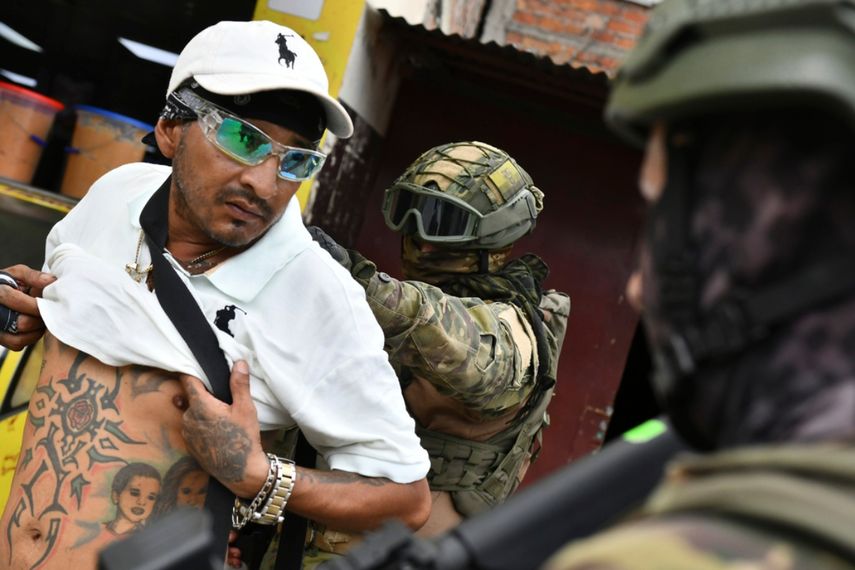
<point x="285" y="53"/>
<point x="224" y="315"/>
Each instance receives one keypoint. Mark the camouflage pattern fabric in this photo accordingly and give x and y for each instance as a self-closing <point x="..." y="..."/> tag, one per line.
<point x="471" y="171"/>
<point x="487" y="341"/>
<point x="772" y="508"/>
<point x="441" y="266"/>
<point x="693" y="542"/>
<point x="460" y="344"/>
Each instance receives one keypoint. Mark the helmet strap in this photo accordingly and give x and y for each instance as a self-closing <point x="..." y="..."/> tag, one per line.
<point x="483" y="261"/>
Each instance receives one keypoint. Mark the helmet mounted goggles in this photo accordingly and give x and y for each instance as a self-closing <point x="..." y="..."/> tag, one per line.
<point x="440" y="218"/>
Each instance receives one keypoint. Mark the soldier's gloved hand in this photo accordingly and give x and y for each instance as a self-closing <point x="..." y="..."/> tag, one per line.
<point x="337" y="252"/>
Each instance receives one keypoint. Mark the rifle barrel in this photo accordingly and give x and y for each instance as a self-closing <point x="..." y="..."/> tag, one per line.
<point x="575" y="502"/>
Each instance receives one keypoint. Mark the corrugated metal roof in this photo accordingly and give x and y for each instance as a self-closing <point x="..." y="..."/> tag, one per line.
<point x="536" y="71"/>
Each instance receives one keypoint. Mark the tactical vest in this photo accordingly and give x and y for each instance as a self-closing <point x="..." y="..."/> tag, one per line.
<point x="481" y="474"/>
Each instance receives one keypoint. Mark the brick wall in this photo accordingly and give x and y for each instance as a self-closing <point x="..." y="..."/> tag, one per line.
<point x="592" y="33"/>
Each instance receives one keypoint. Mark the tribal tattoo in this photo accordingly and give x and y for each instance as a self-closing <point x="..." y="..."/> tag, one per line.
<point x="76" y="427"/>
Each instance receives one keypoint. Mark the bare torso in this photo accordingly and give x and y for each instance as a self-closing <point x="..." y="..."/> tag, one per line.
<point x="102" y="453"/>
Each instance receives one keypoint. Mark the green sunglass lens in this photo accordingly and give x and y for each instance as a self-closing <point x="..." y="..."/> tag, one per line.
<point x="243" y="141"/>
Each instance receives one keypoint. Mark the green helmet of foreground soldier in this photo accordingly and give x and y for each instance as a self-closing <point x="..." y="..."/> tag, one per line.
<point x="467" y="199"/>
<point x="700" y="57"/>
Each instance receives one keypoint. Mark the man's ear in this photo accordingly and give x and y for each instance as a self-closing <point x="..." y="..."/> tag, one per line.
<point x="168" y="135"/>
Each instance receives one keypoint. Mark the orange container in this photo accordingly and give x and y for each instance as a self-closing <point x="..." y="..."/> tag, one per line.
<point x="25" y="121"/>
<point x="102" y="140"/>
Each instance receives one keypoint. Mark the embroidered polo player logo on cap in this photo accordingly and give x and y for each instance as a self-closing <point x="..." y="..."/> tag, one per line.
<point x="225" y="315"/>
<point x="285" y="53"/>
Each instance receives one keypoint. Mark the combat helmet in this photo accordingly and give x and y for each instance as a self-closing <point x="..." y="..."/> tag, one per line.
<point x="699" y="57"/>
<point x="468" y="195"/>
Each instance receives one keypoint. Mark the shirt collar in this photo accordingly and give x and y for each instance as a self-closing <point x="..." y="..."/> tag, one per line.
<point x="245" y="275"/>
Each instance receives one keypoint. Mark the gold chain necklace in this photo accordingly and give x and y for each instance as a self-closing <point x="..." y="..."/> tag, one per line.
<point x="196" y="261"/>
<point x="133" y="269"/>
<point x="138" y="274"/>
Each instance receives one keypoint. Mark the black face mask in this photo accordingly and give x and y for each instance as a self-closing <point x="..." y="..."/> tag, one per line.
<point x="746" y="251"/>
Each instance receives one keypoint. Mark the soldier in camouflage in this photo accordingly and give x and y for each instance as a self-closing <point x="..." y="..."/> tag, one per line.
<point x="747" y="284"/>
<point x="472" y="334"/>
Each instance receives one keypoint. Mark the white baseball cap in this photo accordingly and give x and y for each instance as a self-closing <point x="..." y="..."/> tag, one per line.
<point x="238" y="58"/>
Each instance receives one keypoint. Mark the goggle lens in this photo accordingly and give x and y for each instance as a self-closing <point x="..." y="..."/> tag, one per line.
<point x="443" y="219"/>
<point x="439" y="218"/>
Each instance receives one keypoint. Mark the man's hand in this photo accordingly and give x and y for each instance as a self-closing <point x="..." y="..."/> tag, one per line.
<point x="226" y="442"/>
<point x="224" y="438"/>
<point x="30" y="326"/>
<point x="340" y="254"/>
<point x="360" y="268"/>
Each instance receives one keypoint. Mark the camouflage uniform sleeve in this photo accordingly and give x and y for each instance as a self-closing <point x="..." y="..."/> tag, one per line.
<point x="481" y="354"/>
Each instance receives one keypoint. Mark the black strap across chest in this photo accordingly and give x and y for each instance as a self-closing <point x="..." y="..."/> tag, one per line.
<point x="184" y="312"/>
<point x="178" y="303"/>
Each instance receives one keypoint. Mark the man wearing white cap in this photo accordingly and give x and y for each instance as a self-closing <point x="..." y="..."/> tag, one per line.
<point x="246" y="107"/>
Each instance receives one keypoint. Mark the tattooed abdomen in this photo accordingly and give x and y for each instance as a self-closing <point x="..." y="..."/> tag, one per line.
<point x="97" y="446"/>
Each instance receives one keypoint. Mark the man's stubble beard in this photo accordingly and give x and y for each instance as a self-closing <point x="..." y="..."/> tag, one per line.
<point x="183" y="196"/>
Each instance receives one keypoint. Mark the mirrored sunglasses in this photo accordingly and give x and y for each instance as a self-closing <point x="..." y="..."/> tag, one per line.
<point x="249" y="145"/>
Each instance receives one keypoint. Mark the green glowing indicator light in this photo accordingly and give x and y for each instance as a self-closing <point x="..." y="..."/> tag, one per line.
<point x="645" y="432"/>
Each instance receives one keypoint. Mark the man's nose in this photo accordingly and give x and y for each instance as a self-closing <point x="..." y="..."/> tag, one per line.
<point x="262" y="178"/>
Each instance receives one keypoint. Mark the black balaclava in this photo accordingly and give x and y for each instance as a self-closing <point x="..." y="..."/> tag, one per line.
<point x="769" y="196"/>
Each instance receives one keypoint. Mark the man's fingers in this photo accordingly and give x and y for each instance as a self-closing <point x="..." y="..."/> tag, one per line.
<point x="30" y="324"/>
<point x="31" y="280"/>
<point x="239" y="382"/>
<point x="201" y="404"/>
<point x="194" y="388"/>
<point x="19" y="341"/>
<point x="19" y="301"/>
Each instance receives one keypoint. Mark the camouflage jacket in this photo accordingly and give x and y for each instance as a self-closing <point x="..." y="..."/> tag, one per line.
<point x="482" y="354"/>
<point x="775" y="508"/>
<point x="473" y="380"/>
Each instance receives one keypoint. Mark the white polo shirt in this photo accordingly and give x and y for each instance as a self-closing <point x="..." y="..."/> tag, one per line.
<point x="314" y="349"/>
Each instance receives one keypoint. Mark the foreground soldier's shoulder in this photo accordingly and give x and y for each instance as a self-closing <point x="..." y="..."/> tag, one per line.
<point x="691" y="541"/>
